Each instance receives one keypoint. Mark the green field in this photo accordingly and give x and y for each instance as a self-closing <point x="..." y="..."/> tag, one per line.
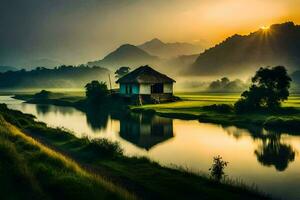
<point x="191" y="106"/>
<point x="191" y="103"/>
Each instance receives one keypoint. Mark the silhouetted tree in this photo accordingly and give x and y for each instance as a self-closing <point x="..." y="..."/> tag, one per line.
<point x="270" y="86"/>
<point x="122" y="71"/>
<point x="96" y="91"/>
<point x="217" y="168"/>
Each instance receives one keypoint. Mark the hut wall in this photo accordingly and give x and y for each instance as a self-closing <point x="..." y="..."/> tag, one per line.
<point x="168" y="87"/>
<point x="145" y="89"/>
<point x="134" y="88"/>
<point x="122" y="88"/>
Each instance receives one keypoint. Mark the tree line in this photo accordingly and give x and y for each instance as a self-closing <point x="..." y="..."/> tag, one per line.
<point x="59" y="77"/>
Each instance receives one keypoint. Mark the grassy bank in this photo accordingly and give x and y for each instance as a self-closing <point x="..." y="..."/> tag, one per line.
<point x="31" y="170"/>
<point x="146" y="179"/>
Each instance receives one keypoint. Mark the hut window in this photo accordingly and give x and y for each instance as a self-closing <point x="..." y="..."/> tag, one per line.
<point x="157" y="88"/>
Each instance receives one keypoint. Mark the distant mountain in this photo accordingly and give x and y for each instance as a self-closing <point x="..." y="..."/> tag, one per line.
<point x="184" y="60"/>
<point x="167" y="50"/>
<point x="126" y="55"/>
<point x="278" y="45"/>
<point x="7" y="68"/>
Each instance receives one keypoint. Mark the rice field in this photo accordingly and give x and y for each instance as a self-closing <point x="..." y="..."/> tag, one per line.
<point x="192" y="102"/>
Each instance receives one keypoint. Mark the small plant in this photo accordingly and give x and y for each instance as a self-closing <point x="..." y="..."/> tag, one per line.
<point x="217" y="168"/>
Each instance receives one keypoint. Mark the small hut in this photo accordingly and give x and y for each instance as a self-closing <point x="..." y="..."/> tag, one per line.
<point x="146" y="84"/>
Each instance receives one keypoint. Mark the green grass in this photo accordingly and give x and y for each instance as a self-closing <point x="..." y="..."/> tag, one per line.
<point x="144" y="178"/>
<point x="192" y="102"/>
<point x="30" y="170"/>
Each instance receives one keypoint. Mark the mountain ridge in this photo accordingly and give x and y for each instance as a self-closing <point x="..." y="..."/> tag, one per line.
<point x="125" y="55"/>
<point x="243" y="54"/>
<point x="169" y="50"/>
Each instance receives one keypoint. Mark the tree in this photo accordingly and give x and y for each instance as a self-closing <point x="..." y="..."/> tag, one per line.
<point x="270" y="87"/>
<point x="96" y="91"/>
<point x="217" y="168"/>
<point x="122" y="71"/>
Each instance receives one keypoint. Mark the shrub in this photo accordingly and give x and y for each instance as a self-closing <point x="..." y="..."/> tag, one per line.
<point x="279" y="123"/>
<point x="217" y="168"/>
<point x="222" y="108"/>
<point x="105" y="147"/>
<point x="96" y="91"/>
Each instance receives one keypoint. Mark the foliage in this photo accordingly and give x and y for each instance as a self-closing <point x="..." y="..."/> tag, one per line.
<point x="106" y="147"/>
<point x="269" y="88"/>
<point x="280" y="123"/>
<point x="222" y="108"/>
<point x="96" y="91"/>
<point x="226" y="85"/>
<point x="217" y="168"/>
<point x="122" y="71"/>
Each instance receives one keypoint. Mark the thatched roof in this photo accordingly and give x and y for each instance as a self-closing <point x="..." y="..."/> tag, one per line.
<point x="145" y="74"/>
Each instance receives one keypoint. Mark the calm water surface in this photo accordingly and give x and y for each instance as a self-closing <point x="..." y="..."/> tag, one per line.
<point x="269" y="160"/>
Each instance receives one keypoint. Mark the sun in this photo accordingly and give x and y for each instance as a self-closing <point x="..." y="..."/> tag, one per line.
<point x="265" y="28"/>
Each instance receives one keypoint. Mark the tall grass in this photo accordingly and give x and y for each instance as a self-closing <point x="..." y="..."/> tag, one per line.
<point x="57" y="175"/>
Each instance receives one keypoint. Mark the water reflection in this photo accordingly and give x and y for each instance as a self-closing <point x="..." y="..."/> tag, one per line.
<point x="145" y="131"/>
<point x="97" y="119"/>
<point x="43" y="109"/>
<point x="273" y="152"/>
<point x="142" y="130"/>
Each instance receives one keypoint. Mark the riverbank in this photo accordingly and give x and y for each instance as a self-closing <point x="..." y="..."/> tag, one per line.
<point x="144" y="178"/>
<point x="32" y="170"/>
<point x="199" y="107"/>
<point x="194" y="106"/>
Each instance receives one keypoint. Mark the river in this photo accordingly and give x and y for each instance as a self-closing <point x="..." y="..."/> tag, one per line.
<point x="268" y="160"/>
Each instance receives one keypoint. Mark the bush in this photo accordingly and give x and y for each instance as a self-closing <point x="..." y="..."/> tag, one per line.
<point x="96" y="92"/>
<point x="222" y="108"/>
<point x="279" y="123"/>
<point x="217" y="168"/>
<point x="241" y="106"/>
<point x="270" y="87"/>
<point x="105" y="147"/>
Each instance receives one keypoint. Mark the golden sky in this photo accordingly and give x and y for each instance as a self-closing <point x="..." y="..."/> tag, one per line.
<point x="77" y="31"/>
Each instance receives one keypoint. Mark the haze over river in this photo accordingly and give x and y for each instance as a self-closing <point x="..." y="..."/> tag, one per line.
<point x="268" y="160"/>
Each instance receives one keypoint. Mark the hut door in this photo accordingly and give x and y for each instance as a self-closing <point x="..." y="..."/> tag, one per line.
<point x="128" y="89"/>
<point x="157" y="88"/>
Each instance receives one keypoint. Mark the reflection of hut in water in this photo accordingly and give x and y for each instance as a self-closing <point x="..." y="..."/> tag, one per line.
<point x="146" y="131"/>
